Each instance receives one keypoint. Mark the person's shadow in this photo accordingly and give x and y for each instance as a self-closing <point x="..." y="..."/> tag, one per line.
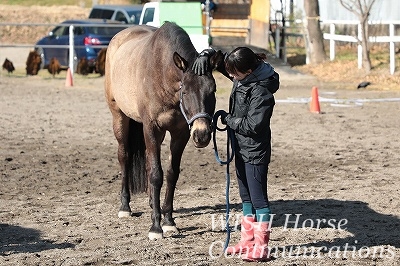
<point x="367" y="227"/>
<point x="16" y="239"/>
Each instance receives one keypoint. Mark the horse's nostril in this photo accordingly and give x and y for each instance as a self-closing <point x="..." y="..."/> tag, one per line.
<point x="201" y="133"/>
<point x="201" y="137"/>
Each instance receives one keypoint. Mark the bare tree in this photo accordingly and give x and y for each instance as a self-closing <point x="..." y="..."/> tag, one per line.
<point x="314" y="38"/>
<point x="362" y="9"/>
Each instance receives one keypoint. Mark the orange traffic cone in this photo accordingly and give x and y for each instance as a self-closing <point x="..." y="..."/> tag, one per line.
<point x="314" y="106"/>
<point x="69" y="80"/>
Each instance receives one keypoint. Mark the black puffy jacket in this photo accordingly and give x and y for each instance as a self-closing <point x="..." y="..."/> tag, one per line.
<point x="250" y="109"/>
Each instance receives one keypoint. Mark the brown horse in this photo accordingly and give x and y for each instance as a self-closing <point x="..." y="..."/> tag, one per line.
<point x="150" y="89"/>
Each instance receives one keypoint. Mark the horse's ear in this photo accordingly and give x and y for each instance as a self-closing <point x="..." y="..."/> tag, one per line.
<point x="217" y="59"/>
<point x="180" y="62"/>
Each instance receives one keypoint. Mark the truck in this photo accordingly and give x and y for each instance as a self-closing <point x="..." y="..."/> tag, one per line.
<point x="187" y="15"/>
<point x="129" y="14"/>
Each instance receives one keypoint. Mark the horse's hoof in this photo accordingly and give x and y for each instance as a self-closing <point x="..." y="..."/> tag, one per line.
<point x="155" y="236"/>
<point x="124" y="214"/>
<point x="170" y="228"/>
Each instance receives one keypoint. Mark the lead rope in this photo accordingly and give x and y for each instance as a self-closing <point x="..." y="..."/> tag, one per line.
<point x="229" y="154"/>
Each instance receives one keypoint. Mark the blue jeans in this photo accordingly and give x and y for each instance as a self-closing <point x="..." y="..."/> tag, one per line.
<point x="252" y="180"/>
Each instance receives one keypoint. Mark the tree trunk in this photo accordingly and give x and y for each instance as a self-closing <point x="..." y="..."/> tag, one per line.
<point x="362" y="9"/>
<point x="315" y="41"/>
<point x="366" y="60"/>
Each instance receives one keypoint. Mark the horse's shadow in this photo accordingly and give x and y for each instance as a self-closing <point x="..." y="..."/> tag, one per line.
<point x="365" y="226"/>
<point x="16" y="239"/>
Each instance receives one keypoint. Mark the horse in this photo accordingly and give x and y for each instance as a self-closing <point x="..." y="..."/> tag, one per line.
<point x="150" y="89"/>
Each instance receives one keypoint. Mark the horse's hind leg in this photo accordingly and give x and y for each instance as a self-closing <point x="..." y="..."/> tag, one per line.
<point x="177" y="146"/>
<point x="121" y="132"/>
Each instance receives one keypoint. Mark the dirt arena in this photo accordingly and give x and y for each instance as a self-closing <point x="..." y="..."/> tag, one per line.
<point x="333" y="180"/>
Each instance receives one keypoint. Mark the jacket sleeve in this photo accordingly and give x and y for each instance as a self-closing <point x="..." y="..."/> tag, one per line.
<point x="258" y="115"/>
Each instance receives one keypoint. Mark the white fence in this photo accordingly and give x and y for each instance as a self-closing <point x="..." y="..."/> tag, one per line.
<point x="333" y="38"/>
<point x="391" y="39"/>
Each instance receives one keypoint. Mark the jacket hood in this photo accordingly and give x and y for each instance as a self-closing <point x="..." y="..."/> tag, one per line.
<point x="262" y="72"/>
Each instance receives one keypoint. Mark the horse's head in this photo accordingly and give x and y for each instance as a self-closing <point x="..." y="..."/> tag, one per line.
<point x="197" y="99"/>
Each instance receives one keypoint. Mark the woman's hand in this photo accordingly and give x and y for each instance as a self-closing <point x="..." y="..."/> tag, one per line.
<point x="202" y="63"/>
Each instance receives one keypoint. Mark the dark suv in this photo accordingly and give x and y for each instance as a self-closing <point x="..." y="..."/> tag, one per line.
<point x="90" y="35"/>
<point x="129" y="14"/>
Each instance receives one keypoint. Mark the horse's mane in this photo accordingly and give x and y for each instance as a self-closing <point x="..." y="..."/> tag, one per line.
<point x="177" y="39"/>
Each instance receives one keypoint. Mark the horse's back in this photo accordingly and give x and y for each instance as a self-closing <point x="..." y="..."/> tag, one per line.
<point x="129" y="35"/>
<point x="123" y="70"/>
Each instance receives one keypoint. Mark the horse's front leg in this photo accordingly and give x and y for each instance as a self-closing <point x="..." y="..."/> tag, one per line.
<point x="177" y="146"/>
<point x="155" y="176"/>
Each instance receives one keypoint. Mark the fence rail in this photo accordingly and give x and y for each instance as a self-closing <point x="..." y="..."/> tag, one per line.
<point x="391" y="39"/>
<point x="333" y="38"/>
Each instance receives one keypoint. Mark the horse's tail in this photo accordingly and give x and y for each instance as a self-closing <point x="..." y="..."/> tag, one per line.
<point x="136" y="145"/>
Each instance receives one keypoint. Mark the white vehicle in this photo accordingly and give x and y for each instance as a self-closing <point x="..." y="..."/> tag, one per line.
<point x="187" y="15"/>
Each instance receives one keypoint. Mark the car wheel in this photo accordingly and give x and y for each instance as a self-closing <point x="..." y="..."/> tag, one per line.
<point x="40" y="51"/>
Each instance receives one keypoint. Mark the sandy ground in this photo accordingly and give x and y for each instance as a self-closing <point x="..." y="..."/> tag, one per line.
<point x="333" y="180"/>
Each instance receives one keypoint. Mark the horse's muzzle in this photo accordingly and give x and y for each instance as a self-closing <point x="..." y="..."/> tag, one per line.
<point x="201" y="132"/>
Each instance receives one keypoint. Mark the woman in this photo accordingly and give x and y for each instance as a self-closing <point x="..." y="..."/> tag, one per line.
<point x="251" y="105"/>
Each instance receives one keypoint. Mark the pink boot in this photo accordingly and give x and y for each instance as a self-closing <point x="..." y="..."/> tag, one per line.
<point x="260" y="251"/>
<point x="246" y="237"/>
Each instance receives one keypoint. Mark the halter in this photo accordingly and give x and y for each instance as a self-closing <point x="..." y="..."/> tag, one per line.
<point x="198" y="115"/>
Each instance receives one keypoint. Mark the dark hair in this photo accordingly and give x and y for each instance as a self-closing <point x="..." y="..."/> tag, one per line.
<point x="241" y="59"/>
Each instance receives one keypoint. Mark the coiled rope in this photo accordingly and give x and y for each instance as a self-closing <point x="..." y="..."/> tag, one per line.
<point x="230" y="153"/>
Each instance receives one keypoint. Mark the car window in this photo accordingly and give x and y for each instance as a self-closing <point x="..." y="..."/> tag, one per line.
<point x="95" y="13"/>
<point x="101" y="13"/>
<point x="78" y="31"/>
<point x="148" y="15"/>
<point x="120" y="17"/>
<point x="60" y="31"/>
<point x="135" y="16"/>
